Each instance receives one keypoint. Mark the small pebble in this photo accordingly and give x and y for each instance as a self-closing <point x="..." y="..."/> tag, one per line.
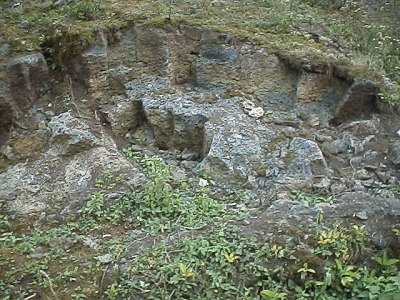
<point x="256" y="112"/>
<point x="203" y="182"/>
<point x="362" y="215"/>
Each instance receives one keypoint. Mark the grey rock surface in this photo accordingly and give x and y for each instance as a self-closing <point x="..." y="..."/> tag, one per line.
<point x="185" y="93"/>
<point x="29" y="79"/>
<point x="395" y="149"/>
<point x="366" y="208"/>
<point x="307" y="160"/>
<point x="55" y="183"/>
<point x="71" y="135"/>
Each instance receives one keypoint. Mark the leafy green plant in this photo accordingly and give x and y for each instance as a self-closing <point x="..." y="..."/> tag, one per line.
<point x="273" y="295"/>
<point x="395" y="191"/>
<point x="388" y="264"/>
<point x="311" y="198"/>
<point x="162" y="208"/>
<point x="4" y="217"/>
<point x="78" y="295"/>
<point x="347" y="274"/>
<point x="341" y="242"/>
<point x="200" y="268"/>
<point x="305" y="271"/>
<point x="396" y="231"/>
<point x="8" y="239"/>
<point x="94" y="208"/>
<point x="108" y="181"/>
<point x="112" y="292"/>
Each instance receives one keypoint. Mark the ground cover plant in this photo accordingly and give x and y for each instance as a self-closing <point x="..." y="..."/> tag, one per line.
<point x="181" y="243"/>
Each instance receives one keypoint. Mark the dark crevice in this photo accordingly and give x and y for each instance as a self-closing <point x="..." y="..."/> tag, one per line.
<point x="6" y="120"/>
<point x="189" y="133"/>
<point x="175" y="131"/>
<point x="48" y="52"/>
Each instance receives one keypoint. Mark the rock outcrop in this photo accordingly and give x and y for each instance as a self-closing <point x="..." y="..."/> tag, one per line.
<point x="209" y="103"/>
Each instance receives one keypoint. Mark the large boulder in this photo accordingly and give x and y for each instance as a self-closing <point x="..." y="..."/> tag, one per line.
<point x="307" y="160"/>
<point x="55" y="183"/>
<point x="291" y="217"/>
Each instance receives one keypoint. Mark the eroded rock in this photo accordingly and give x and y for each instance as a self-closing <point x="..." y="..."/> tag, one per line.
<point x="215" y="104"/>
<point x="125" y="115"/>
<point x="395" y="149"/>
<point x="29" y="79"/>
<point x="312" y="87"/>
<point x="366" y="208"/>
<point x="71" y="135"/>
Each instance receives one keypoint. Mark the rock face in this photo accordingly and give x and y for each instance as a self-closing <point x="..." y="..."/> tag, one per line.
<point x="356" y="205"/>
<point x="396" y="154"/>
<point x="29" y="80"/>
<point x="212" y="102"/>
<point x="23" y="80"/>
<point x="318" y="87"/>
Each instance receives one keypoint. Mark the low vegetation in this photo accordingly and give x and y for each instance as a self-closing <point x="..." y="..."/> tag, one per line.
<point x="311" y="198"/>
<point x="225" y="265"/>
<point x="182" y="243"/>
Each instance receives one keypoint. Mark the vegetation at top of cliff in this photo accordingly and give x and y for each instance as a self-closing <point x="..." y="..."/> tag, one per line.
<point x="361" y="36"/>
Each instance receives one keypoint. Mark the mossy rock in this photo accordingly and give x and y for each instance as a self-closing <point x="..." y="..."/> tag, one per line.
<point x="28" y="147"/>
